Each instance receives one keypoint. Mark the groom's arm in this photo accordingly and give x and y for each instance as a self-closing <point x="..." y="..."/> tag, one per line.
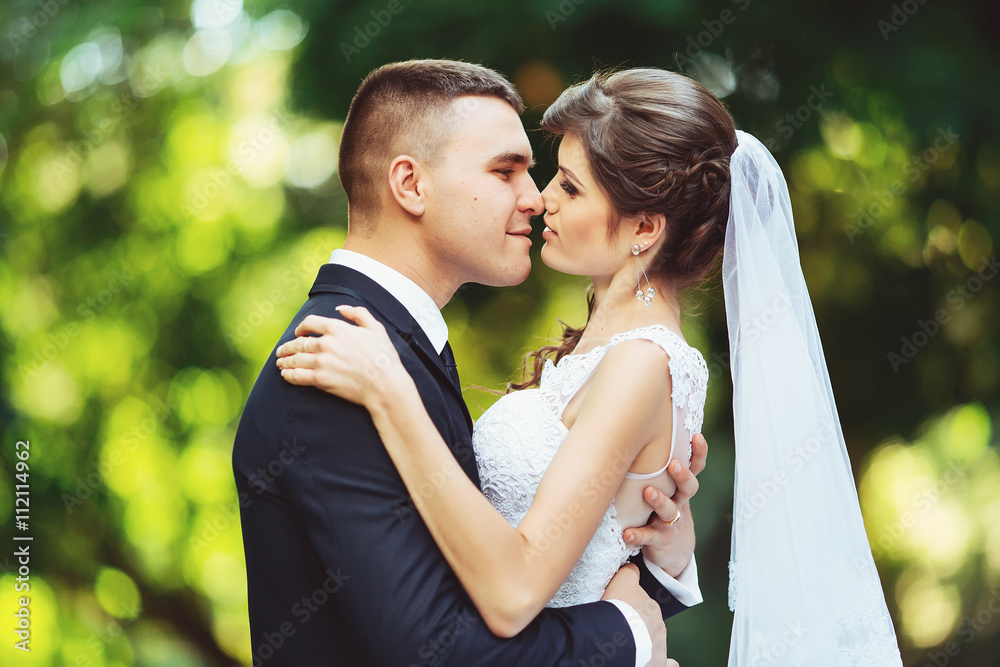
<point x="669" y="573"/>
<point x="405" y="603"/>
<point x="672" y="594"/>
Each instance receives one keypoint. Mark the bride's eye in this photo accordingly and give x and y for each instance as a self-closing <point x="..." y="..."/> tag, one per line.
<point x="568" y="187"/>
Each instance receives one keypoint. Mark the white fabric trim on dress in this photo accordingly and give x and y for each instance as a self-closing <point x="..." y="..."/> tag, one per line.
<point x="651" y="475"/>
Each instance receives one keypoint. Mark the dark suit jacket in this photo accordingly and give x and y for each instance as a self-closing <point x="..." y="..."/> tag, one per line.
<point x="341" y="569"/>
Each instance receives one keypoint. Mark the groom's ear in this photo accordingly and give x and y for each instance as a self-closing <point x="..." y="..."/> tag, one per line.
<point x="406" y="184"/>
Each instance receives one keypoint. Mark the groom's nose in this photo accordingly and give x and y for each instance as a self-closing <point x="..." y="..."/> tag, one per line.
<point x="530" y="199"/>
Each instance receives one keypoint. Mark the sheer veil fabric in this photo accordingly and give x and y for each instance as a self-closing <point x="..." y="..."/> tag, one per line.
<point x="803" y="583"/>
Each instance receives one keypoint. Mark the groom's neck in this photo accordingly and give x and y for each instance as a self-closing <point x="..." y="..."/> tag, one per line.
<point x="408" y="258"/>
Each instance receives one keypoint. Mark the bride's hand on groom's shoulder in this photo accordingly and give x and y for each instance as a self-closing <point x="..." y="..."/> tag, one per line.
<point x="668" y="539"/>
<point x="356" y="362"/>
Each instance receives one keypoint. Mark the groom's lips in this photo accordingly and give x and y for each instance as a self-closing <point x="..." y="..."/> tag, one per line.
<point x="521" y="232"/>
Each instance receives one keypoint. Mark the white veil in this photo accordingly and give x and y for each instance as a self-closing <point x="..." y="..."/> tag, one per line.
<point x="803" y="584"/>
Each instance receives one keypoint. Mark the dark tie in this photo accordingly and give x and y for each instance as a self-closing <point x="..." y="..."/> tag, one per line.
<point x="448" y="357"/>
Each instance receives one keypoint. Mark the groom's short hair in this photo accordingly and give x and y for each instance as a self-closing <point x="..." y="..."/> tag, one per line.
<point x="400" y="109"/>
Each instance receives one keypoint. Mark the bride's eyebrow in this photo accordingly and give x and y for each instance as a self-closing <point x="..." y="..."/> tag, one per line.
<point x="511" y="158"/>
<point x="572" y="177"/>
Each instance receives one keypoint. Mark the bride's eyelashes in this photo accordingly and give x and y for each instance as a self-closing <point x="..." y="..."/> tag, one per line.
<point x="568" y="187"/>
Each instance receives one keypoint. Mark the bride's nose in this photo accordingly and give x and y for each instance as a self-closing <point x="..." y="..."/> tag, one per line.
<point x="551" y="207"/>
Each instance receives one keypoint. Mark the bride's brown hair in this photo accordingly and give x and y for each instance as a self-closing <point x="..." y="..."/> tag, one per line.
<point x="656" y="142"/>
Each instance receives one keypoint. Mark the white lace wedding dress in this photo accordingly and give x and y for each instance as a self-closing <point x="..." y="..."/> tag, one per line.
<point x="517" y="438"/>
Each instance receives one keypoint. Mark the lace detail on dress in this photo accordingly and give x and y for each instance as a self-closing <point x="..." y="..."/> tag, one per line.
<point x="517" y="438"/>
<point x="600" y="561"/>
<point x="688" y="373"/>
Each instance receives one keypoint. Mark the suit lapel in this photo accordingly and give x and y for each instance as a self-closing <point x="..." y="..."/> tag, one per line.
<point x="337" y="279"/>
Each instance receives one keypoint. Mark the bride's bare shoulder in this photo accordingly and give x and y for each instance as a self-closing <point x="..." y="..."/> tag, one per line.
<point x="634" y="371"/>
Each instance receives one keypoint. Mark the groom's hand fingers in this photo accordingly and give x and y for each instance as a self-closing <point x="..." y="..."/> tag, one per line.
<point x="660" y="535"/>
<point x="699" y="453"/>
<point x="655" y="532"/>
<point x="687" y="486"/>
<point x="647" y="535"/>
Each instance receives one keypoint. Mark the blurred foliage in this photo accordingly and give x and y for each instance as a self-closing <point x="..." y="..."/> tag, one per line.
<point x="168" y="190"/>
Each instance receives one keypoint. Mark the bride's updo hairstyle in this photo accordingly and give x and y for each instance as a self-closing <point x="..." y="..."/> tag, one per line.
<point x="656" y="142"/>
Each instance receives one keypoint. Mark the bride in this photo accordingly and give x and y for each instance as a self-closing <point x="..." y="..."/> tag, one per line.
<point x="654" y="183"/>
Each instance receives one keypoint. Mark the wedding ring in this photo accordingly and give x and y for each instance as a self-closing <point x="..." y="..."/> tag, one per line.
<point x="675" y="519"/>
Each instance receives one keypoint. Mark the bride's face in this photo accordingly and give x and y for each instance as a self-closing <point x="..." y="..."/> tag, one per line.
<point x="577" y="215"/>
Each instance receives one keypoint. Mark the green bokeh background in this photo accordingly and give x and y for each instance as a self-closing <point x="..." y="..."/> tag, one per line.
<point x="168" y="190"/>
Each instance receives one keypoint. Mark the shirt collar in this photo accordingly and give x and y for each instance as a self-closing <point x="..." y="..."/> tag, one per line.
<point x="416" y="301"/>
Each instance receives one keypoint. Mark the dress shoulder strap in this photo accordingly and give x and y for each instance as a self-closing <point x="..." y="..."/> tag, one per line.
<point x="669" y="340"/>
<point x="688" y="370"/>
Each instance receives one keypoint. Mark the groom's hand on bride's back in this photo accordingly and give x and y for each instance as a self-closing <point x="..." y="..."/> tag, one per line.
<point x="668" y="539"/>
<point x="625" y="586"/>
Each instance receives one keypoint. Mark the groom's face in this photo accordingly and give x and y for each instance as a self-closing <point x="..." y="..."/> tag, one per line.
<point x="480" y="197"/>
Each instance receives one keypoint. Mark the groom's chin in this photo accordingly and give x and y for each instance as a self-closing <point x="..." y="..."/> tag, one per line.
<point x="523" y="275"/>
<point x="513" y="276"/>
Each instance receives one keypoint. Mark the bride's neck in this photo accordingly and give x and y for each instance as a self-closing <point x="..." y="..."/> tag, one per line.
<point x="616" y="308"/>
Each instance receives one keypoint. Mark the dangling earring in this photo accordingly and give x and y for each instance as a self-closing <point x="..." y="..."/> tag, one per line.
<point x="646" y="297"/>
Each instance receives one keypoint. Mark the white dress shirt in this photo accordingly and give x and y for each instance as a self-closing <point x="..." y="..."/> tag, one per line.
<point x="417" y="302"/>
<point x="423" y="309"/>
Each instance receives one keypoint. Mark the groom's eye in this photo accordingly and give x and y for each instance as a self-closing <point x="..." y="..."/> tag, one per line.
<point x="506" y="173"/>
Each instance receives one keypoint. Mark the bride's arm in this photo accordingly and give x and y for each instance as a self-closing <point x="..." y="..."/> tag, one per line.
<point x="510" y="574"/>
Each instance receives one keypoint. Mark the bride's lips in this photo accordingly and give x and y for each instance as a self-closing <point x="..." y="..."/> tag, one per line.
<point x="548" y="233"/>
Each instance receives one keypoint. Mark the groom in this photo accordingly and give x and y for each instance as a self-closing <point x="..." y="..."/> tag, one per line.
<point x="341" y="570"/>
